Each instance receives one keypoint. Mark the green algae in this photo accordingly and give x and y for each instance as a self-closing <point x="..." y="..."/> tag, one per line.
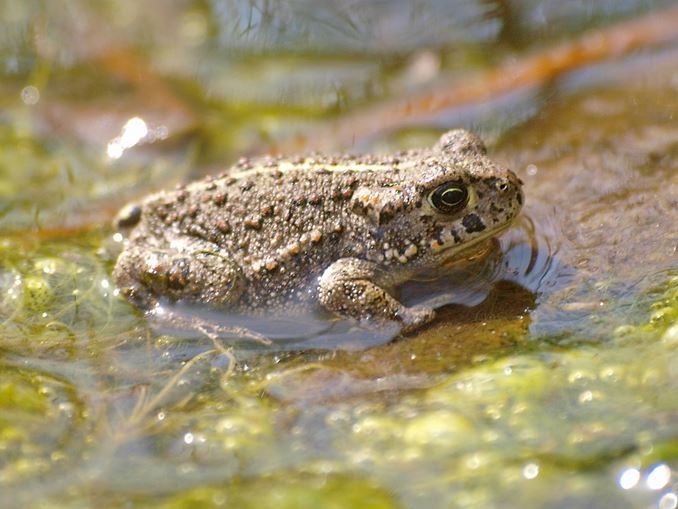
<point x="295" y="491"/>
<point x="59" y="293"/>
<point x="38" y="417"/>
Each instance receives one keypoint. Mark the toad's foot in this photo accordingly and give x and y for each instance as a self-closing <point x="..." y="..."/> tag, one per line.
<point x="211" y="330"/>
<point x="354" y="288"/>
<point x="416" y="317"/>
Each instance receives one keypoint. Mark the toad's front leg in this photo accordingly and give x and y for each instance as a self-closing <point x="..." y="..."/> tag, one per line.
<point x="355" y="288"/>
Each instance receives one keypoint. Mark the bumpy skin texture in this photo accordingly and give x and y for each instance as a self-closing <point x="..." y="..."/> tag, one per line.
<point x="277" y="235"/>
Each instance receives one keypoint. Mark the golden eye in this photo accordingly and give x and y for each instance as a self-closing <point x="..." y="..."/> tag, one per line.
<point x="449" y="197"/>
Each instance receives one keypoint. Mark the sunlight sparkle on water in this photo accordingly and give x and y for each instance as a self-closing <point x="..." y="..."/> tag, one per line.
<point x="629" y="478"/>
<point x="585" y="397"/>
<point x="530" y="471"/>
<point x="134" y="130"/>
<point x="659" y="476"/>
<point x="668" y="501"/>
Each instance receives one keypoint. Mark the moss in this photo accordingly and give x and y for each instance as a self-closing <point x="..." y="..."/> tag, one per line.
<point x="296" y="491"/>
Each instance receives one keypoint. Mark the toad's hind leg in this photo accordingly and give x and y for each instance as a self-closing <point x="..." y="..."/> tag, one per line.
<point x="355" y="288"/>
<point x="201" y="275"/>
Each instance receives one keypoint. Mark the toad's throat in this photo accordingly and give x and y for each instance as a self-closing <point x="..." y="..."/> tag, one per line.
<point x="450" y="252"/>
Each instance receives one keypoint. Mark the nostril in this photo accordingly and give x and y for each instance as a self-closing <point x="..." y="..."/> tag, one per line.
<point x="514" y="178"/>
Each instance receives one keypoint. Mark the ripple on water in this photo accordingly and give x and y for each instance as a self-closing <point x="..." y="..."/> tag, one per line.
<point x="532" y="252"/>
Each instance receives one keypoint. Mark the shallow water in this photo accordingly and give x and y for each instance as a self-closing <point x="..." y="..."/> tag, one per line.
<point x="549" y="379"/>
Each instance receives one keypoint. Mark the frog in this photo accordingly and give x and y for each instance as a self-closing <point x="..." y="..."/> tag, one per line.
<point x="277" y="235"/>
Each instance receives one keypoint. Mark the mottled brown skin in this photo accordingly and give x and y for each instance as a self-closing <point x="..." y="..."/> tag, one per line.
<point x="279" y="235"/>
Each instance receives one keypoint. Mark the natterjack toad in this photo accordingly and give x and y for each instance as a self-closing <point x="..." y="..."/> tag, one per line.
<point x="277" y="235"/>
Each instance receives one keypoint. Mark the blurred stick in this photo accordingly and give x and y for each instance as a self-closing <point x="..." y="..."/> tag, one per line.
<point x="123" y="64"/>
<point x="533" y="71"/>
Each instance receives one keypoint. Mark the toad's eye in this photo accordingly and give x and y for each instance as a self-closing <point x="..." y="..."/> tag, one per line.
<point x="449" y="198"/>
